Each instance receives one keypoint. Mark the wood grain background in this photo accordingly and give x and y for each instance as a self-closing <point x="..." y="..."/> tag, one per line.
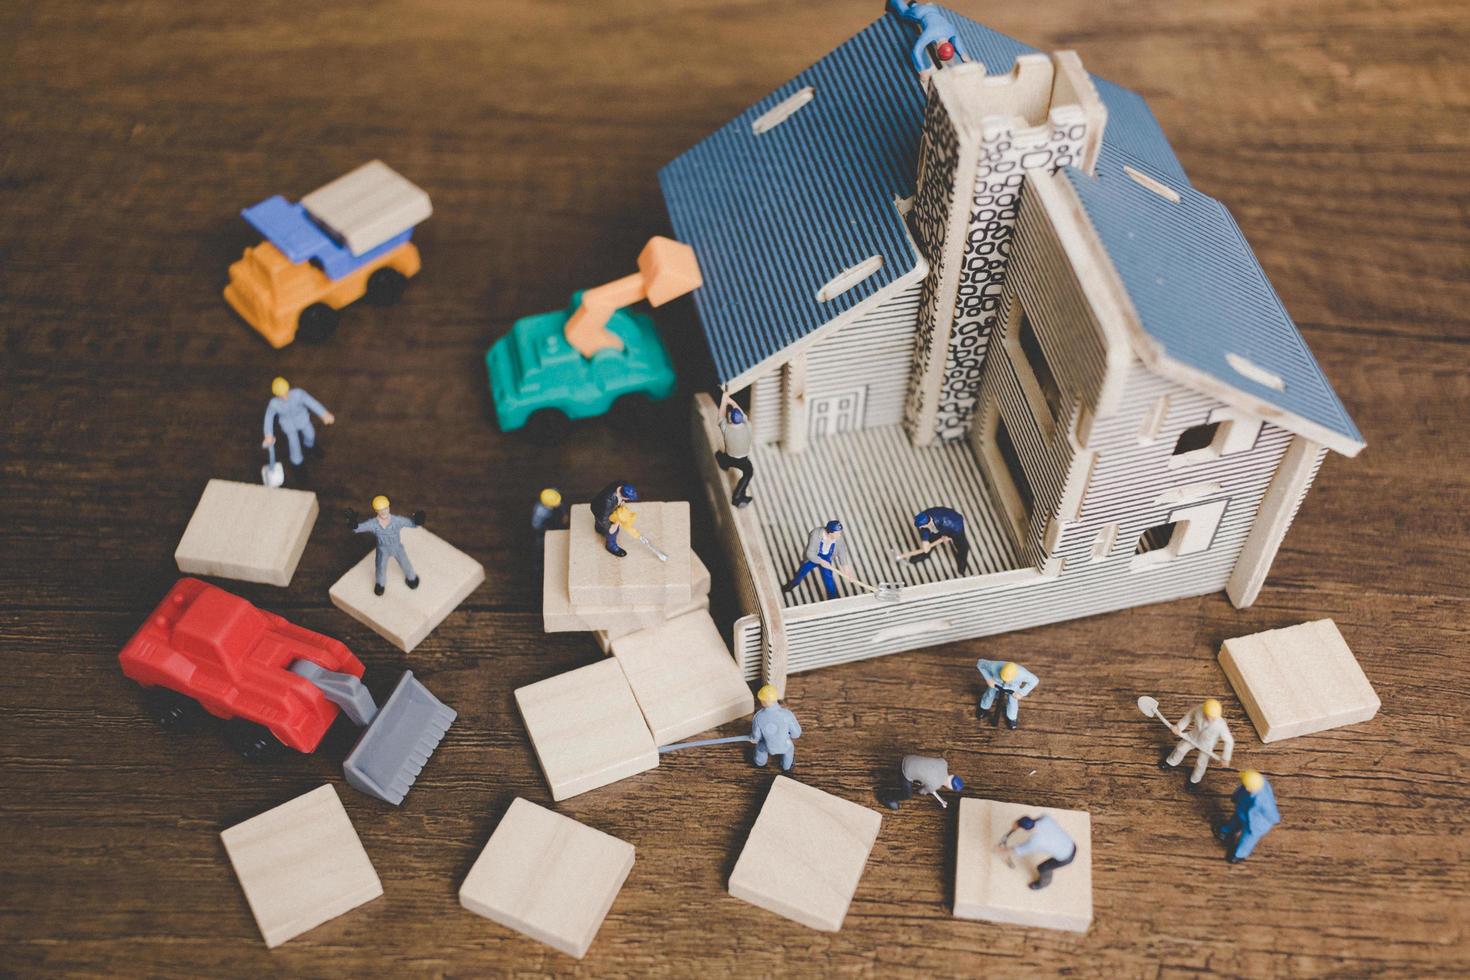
<point x="134" y="132"/>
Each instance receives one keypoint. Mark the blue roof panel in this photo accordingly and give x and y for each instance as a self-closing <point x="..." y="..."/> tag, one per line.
<point x="1200" y="292"/>
<point x="774" y="216"/>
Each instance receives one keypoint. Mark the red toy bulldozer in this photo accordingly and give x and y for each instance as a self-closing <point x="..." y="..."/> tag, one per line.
<point x="278" y="685"/>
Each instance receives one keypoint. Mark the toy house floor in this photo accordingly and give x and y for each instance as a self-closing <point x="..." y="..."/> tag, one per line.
<point x="875" y="481"/>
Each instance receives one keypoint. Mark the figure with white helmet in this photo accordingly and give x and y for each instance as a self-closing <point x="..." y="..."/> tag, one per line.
<point x="1200" y="730"/>
<point x="774" y="729"/>
<point x="1006" y="683"/>
<point x="738" y="436"/>
<point x="292" y="408"/>
<point x="387" y="528"/>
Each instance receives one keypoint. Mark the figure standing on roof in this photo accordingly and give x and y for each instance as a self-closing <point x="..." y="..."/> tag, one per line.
<point x="738" y="434"/>
<point x="934" y="28"/>
<point x="609" y="499"/>
<point x="386" y="526"/>
<point x="825" y="550"/>
<point x="937" y="525"/>
<point x="293" y="408"/>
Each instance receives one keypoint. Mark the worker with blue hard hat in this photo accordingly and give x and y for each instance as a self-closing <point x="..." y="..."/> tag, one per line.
<point x="773" y="730"/>
<point x="826" y="551"/>
<point x="938" y="524"/>
<point x="920" y="774"/>
<point x="1255" y="814"/>
<point x="609" y="499"/>
<point x="738" y="436"/>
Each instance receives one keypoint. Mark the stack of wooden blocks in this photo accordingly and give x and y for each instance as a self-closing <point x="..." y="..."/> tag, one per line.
<point x="669" y="674"/>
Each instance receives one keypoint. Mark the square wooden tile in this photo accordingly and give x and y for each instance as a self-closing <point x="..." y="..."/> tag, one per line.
<point x="1298" y="680"/>
<point x="247" y="531"/>
<point x="805" y="855"/>
<point x="401" y="615"/>
<point x="586" y="728"/>
<point x="547" y="876"/>
<point x="683" y="676"/>
<point x="559" y="615"/>
<point x="300" y="865"/>
<point x="597" y="578"/>
<point x="605" y="637"/>
<point x="987" y="888"/>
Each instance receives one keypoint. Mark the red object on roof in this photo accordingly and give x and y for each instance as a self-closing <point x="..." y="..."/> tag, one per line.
<point x="234" y="659"/>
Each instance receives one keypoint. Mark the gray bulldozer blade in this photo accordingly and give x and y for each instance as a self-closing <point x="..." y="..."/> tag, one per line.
<point x="392" y="751"/>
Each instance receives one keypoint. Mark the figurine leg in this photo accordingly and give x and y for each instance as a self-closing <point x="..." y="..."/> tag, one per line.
<point x="801" y="573"/>
<point x="1201" y="763"/>
<point x="612" y="543"/>
<point x="380" y="580"/>
<point x="1013" y="710"/>
<point x="893" y="796"/>
<point x="1243" y="846"/>
<point x="962" y="554"/>
<point x="410" y="578"/>
<point x="788" y="759"/>
<point x="293" y="444"/>
<point x="760" y="756"/>
<point x="830" y="581"/>
<point x="1177" y="756"/>
<point x="1045" y="868"/>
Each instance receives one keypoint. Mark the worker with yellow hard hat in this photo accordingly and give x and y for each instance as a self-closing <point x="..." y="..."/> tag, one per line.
<point x="386" y="527"/>
<point x="293" y="409"/>
<point x="548" y="514"/>
<point x="1005" y="682"/>
<point x="1255" y="814"/>
<point x="1200" y="730"/>
<point x="773" y="730"/>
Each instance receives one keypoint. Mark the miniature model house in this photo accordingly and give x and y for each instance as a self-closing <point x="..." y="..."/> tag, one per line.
<point x="989" y="287"/>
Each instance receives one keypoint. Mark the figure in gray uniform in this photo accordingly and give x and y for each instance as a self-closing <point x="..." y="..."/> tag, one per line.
<point x="738" y="435"/>
<point x="773" y="729"/>
<point x="925" y="774"/>
<point x="293" y="408"/>
<point x="1047" y="839"/>
<point x="386" y="527"/>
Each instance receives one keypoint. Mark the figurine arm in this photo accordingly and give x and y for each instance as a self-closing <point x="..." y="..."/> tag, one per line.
<point x="316" y="408"/>
<point x="1229" y="741"/>
<point x="270" y="425"/>
<point x="1028" y="683"/>
<point x="793" y="727"/>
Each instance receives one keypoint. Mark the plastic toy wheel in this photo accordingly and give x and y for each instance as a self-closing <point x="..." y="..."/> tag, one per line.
<point x="254" y="742"/>
<point x="316" y="323"/>
<point x="547" y="426"/>
<point x="385" y="287"/>
<point x="173" y="711"/>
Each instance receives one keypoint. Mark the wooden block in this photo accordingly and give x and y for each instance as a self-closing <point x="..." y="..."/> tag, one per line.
<point x="300" y="864"/>
<point x="986" y="888"/>
<point x="683" y="676"/>
<point x="547" y="876"/>
<point x="805" y="855"/>
<point x="1298" y="680"/>
<point x="401" y="615"/>
<point x="559" y="615"/>
<point x="597" y="578"/>
<point x="586" y="728"/>
<point x="606" y="636"/>
<point x="248" y="532"/>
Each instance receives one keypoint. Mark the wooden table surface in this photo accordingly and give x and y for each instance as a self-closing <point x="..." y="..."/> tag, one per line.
<point x="133" y="134"/>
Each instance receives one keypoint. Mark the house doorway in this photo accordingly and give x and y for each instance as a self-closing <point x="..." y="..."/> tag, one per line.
<point x="831" y="414"/>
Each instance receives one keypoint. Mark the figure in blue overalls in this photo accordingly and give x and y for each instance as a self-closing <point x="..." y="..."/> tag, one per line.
<point x="937" y="524"/>
<point x="293" y="408"/>
<point x="386" y="527"/>
<point x="825" y="550"/>
<point x="1010" y="680"/>
<point x="934" y="28"/>
<point x="773" y="729"/>
<point x="607" y="500"/>
<point x="1255" y="814"/>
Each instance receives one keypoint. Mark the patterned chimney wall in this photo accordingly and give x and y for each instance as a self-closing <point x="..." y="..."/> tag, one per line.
<point x="967" y="238"/>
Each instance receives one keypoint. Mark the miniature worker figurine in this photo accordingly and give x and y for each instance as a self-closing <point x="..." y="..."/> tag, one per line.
<point x="922" y="774"/>
<point x="1255" y="814"/>
<point x="386" y="527"/>
<point x="1007" y="682"/>
<point x="549" y="514"/>
<point x="934" y="28"/>
<point x="1046" y="838"/>
<point x="738" y="435"/>
<point x="938" y="524"/>
<point x="773" y="729"/>
<point x="293" y="408"/>
<point x="1209" y="730"/>
<point x="609" y="499"/>
<point x="825" y="550"/>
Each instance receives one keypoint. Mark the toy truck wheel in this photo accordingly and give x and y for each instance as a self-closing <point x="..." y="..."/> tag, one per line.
<point x="547" y="425"/>
<point x="385" y="287"/>
<point x="172" y="711"/>
<point x="316" y="323"/>
<point x="253" y="742"/>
